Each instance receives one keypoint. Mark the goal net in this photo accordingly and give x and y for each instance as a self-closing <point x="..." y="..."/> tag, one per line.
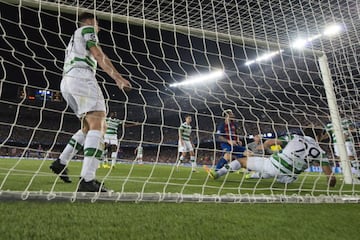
<point x="285" y="65"/>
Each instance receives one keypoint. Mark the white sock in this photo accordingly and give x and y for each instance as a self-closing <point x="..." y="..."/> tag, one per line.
<point x="193" y="162"/>
<point x="113" y="158"/>
<point x="255" y="175"/>
<point x="105" y="159"/>
<point x="74" y="145"/>
<point x="181" y="159"/>
<point x="234" y="165"/>
<point x="93" y="148"/>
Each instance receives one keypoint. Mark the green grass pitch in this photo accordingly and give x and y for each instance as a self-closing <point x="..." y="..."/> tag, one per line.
<point x="34" y="175"/>
<point x="148" y="220"/>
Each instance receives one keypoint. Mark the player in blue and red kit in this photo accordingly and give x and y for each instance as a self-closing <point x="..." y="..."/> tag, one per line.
<point x="229" y="140"/>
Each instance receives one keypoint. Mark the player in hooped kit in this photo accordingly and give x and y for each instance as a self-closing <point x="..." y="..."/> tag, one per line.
<point x="139" y="150"/>
<point x="348" y="129"/>
<point x="81" y="91"/>
<point x="298" y="153"/>
<point x="111" y="139"/>
<point x="185" y="146"/>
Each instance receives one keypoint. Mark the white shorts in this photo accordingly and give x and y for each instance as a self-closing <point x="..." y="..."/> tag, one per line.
<point x="111" y="139"/>
<point x="139" y="156"/>
<point x="186" y="147"/>
<point x="266" y="169"/>
<point x="349" y="146"/>
<point x="82" y="92"/>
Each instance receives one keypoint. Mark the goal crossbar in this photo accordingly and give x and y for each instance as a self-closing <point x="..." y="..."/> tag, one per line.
<point x="243" y="40"/>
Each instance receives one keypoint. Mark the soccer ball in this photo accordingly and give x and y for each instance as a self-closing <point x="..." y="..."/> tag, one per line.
<point x="275" y="148"/>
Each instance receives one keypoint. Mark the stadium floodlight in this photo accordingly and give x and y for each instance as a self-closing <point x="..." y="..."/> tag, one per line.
<point x="212" y="76"/>
<point x="250" y="62"/>
<point x="299" y="43"/>
<point x="264" y="57"/>
<point x="332" y="30"/>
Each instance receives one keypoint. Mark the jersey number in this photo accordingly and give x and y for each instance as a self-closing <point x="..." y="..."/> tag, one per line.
<point x="313" y="152"/>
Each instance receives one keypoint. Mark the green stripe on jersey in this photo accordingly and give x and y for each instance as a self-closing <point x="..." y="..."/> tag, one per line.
<point x="90" y="44"/>
<point x="185" y="131"/>
<point x="87" y="30"/>
<point x="285" y="164"/>
<point x="87" y="60"/>
<point x="112" y="125"/>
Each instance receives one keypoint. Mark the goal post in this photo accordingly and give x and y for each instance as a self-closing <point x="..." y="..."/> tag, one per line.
<point x="324" y="68"/>
<point x="272" y="88"/>
<point x="335" y="117"/>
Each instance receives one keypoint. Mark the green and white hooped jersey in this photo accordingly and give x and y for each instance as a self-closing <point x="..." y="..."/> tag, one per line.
<point x="298" y="154"/>
<point x="78" y="50"/>
<point x="185" y="131"/>
<point x="140" y="150"/>
<point x="346" y="126"/>
<point x="112" y="125"/>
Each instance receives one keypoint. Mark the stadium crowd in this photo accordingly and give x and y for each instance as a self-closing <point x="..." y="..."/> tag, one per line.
<point x="22" y="136"/>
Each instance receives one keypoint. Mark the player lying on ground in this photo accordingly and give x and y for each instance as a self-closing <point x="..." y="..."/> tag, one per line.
<point x="298" y="153"/>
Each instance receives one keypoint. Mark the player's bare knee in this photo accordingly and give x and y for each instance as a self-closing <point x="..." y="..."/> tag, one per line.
<point x="227" y="156"/>
<point x="243" y="162"/>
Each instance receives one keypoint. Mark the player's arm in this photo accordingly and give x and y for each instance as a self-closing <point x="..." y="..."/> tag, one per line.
<point x="106" y="64"/>
<point x="268" y="143"/>
<point x="330" y="176"/>
<point x="131" y="124"/>
<point x="180" y="135"/>
<point x="325" y="165"/>
<point x="222" y="138"/>
<point x="220" y="134"/>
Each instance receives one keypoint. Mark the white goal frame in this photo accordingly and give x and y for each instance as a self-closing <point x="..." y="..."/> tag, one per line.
<point x="330" y="95"/>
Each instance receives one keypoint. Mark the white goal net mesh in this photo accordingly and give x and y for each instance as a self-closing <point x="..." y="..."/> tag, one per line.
<point x="268" y="51"/>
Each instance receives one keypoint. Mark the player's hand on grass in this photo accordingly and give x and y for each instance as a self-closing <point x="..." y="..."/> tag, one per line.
<point x="332" y="181"/>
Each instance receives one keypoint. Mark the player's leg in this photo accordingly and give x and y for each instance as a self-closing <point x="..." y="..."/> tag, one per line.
<point x="182" y="150"/>
<point x="75" y="144"/>
<point x="226" y="158"/>
<point x="181" y="158"/>
<point x="355" y="164"/>
<point x="190" y="149"/>
<point x="223" y="160"/>
<point x="114" y="148"/>
<point x="260" y="167"/>
<point x="105" y="163"/>
<point x="193" y="161"/>
<point x="81" y="91"/>
<point x="139" y="158"/>
<point x="232" y="166"/>
<point x="350" y="149"/>
<point x="93" y="150"/>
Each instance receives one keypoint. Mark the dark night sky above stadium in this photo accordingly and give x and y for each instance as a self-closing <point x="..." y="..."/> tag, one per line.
<point x="38" y="44"/>
<point x="25" y="45"/>
<point x="32" y="54"/>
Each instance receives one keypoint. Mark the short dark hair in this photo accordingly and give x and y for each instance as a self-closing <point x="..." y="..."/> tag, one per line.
<point x="314" y="132"/>
<point x="86" y="15"/>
